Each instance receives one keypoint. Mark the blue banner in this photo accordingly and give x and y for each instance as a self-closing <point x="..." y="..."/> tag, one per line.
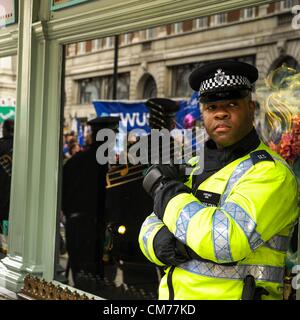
<point x="133" y="114"/>
<point x="188" y="110"/>
<point x="80" y="136"/>
<point x="136" y="115"/>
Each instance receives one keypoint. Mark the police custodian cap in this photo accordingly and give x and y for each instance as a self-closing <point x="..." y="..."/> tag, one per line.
<point x="104" y="123"/>
<point x="223" y="80"/>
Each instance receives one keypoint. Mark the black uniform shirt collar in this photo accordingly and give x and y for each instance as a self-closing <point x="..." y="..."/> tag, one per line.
<point x="239" y="149"/>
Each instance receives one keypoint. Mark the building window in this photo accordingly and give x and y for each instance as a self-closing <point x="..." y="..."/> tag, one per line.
<point x="150" y="33"/>
<point x="97" y="44"/>
<point x="202" y="23"/>
<point x="81" y="47"/>
<point x="127" y="38"/>
<point x="109" y="42"/>
<point x="180" y="83"/>
<point x="249" y="13"/>
<point x="101" y="88"/>
<point x="178" y="28"/>
<point x="287" y="4"/>
<point x="150" y="88"/>
<point x="220" y="18"/>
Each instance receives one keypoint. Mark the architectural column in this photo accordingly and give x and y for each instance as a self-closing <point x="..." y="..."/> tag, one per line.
<point x="32" y="219"/>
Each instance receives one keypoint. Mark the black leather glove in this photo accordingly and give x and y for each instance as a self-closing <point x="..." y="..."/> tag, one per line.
<point x="166" y="248"/>
<point x="157" y="175"/>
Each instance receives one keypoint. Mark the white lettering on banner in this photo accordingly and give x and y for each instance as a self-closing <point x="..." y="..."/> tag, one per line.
<point x="143" y="122"/>
<point x="133" y="119"/>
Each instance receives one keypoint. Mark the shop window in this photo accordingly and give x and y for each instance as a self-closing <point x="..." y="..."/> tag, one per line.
<point x="7" y="116"/>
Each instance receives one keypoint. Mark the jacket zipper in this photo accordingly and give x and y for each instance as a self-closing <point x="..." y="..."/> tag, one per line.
<point x="170" y="284"/>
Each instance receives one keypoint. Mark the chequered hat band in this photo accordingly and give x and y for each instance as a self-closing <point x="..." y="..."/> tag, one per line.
<point x="226" y="81"/>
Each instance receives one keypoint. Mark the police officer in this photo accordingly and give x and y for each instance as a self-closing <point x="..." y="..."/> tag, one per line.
<point x="83" y="204"/>
<point x="230" y="222"/>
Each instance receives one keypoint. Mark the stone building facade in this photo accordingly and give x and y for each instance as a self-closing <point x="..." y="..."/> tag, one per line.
<point x="157" y="61"/>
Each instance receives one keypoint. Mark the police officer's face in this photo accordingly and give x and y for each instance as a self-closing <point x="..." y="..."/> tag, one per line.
<point x="227" y="122"/>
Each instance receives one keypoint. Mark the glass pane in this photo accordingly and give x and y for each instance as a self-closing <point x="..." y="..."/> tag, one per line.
<point x="8" y="67"/>
<point x="154" y="62"/>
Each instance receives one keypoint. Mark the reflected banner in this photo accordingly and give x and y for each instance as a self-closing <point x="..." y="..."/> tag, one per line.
<point x="135" y="114"/>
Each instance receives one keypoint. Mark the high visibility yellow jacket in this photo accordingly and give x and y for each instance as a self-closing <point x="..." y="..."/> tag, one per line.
<point x="251" y="225"/>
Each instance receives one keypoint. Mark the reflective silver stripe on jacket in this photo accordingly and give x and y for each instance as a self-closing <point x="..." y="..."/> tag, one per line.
<point x="153" y="221"/>
<point x="145" y="239"/>
<point x="221" y="236"/>
<point x="184" y="218"/>
<point x="245" y="221"/>
<point x="239" y="171"/>
<point x="280" y="243"/>
<point x="238" y="272"/>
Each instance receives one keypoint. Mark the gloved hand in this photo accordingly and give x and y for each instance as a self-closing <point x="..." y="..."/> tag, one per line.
<point x="157" y="175"/>
<point x="166" y="248"/>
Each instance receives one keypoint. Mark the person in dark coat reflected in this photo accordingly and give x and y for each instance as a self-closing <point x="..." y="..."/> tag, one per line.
<point x="83" y="204"/>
